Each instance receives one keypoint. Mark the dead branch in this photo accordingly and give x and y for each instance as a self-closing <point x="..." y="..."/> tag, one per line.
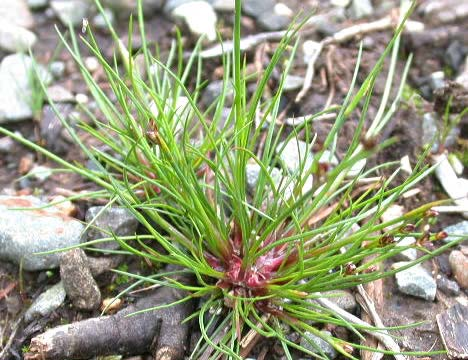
<point x="159" y="331"/>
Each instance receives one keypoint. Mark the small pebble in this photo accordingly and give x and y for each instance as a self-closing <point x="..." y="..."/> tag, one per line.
<point x="57" y="69"/>
<point x="91" y="63"/>
<point x="99" y="20"/>
<point x="81" y="98"/>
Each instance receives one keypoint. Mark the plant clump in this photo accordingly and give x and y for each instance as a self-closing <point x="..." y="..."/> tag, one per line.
<point x="262" y="256"/>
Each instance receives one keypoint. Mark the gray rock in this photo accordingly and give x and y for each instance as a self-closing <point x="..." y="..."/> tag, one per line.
<point x="455" y="54"/>
<point x="99" y="20"/>
<point x="293" y="82"/>
<point x="52" y="130"/>
<point x="429" y="130"/>
<point x="199" y="17"/>
<point x="15" y="38"/>
<point x="58" y="93"/>
<point x="408" y="254"/>
<point x="214" y="90"/>
<point x="295" y="154"/>
<point x="78" y="281"/>
<point x="57" y="69"/>
<point x="343" y="298"/>
<point x="123" y="8"/>
<point x="456" y="230"/>
<point x="16" y="12"/>
<point x="6" y="145"/>
<point x="416" y="281"/>
<point x="256" y="8"/>
<point x="37" y="4"/>
<point x="444" y="11"/>
<point x="253" y="173"/>
<point x="316" y="344"/>
<point x="272" y="21"/>
<point x="437" y="80"/>
<point x="40" y="173"/>
<point x="46" y="303"/>
<point x="447" y="286"/>
<point x="118" y="220"/>
<point x="24" y="233"/>
<point x="360" y="9"/>
<point x="16" y="90"/>
<point x="70" y="11"/>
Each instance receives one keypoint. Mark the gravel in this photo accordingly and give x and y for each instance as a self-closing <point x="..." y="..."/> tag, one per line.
<point x="199" y="17"/>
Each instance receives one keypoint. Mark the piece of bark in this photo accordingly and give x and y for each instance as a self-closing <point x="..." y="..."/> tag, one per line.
<point x="156" y="330"/>
<point x="453" y="328"/>
<point x="375" y="291"/>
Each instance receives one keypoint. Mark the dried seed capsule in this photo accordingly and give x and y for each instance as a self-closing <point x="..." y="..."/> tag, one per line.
<point x="370" y="269"/>
<point x="348" y="348"/>
<point x="408" y="228"/>
<point x="386" y="239"/>
<point x="431" y="213"/>
<point x="441" y="235"/>
<point x="350" y="269"/>
<point x="424" y="238"/>
<point x="369" y="143"/>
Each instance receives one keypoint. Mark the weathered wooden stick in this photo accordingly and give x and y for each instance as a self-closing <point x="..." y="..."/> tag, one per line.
<point x="158" y="331"/>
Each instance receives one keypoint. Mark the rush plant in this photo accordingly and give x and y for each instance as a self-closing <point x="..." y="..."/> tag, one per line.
<point x="261" y="251"/>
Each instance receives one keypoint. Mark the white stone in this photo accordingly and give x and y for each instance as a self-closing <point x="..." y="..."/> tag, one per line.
<point x="340" y="3"/>
<point x="283" y="9"/>
<point x="81" y="98"/>
<point x="58" y="93"/>
<point x="295" y="154"/>
<point x="16" y="90"/>
<point x="91" y="63"/>
<point x="457" y="165"/>
<point x="410" y="254"/>
<point x="15" y="38"/>
<point x="16" y="12"/>
<point x="356" y="168"/>
<point x="199" y="17"/>
<point x="70" y="11"/>
<point x="450" y="182"/>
